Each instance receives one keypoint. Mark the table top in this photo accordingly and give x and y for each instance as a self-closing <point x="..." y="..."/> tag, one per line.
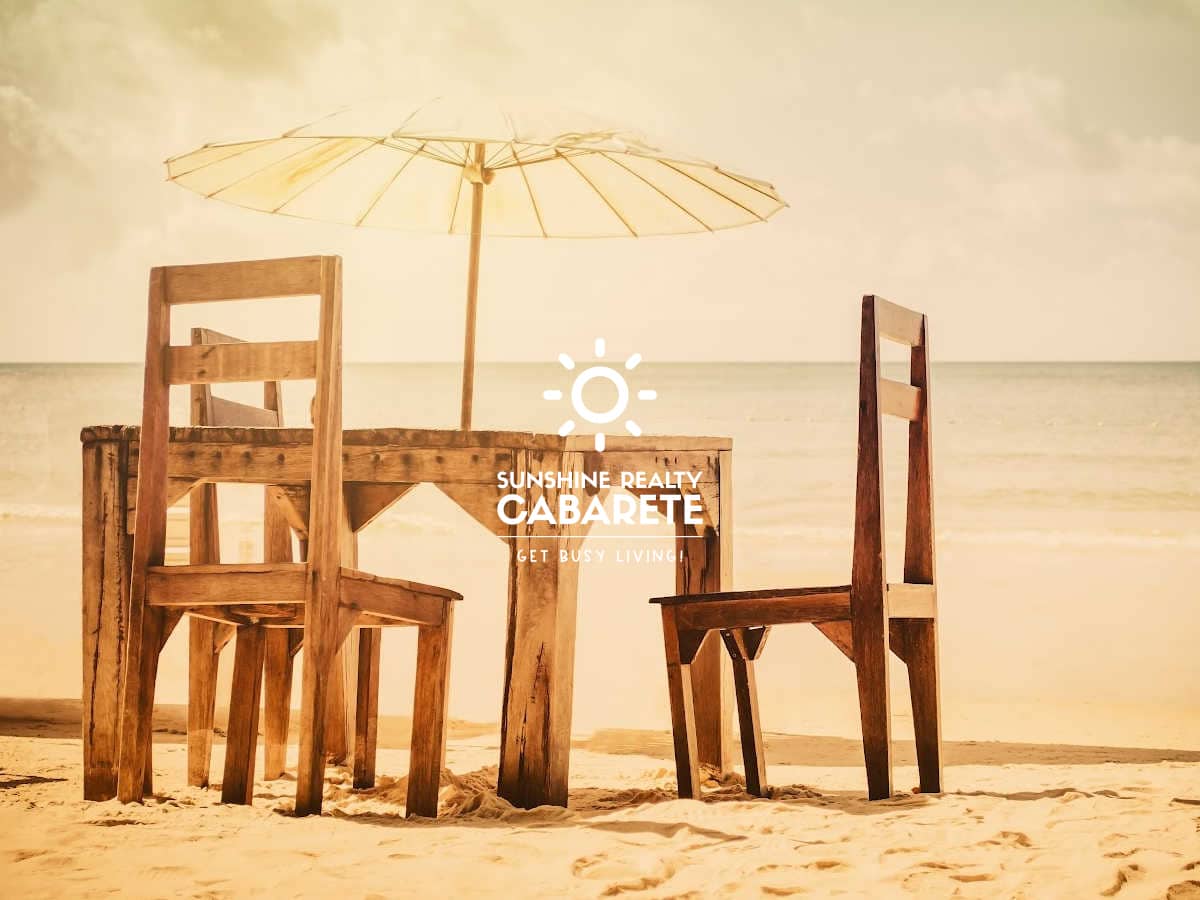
<point x="416" y="438"/>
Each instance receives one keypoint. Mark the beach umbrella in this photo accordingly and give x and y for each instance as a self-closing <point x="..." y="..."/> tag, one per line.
<point x="474" y="167"/>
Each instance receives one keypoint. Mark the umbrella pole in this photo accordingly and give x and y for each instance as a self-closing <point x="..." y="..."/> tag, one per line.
<point x="468" y="376"/>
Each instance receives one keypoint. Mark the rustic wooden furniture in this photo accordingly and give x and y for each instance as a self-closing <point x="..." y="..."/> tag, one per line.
<point x="325" y="595"/>
<point x="865" y="618"/>
<point x="381" y="465"/>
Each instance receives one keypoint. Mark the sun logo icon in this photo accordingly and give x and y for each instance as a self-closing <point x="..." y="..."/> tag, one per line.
<point x="604" y="373"/>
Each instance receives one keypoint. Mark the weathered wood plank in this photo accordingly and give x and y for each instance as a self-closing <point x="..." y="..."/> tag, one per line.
<point x="426" y="439"/>
<point x="226" y="585"/>
<point x="868" y="593"/>
<point x="896" y="323"/>
<point x="277" y="700"/>
<point x="911" y="601"/>
<point x="230" y="412"/>
<point x="899" y="399"/>
<point x="223" y="363"/>
<point x="743" y="649"/>
<point x="705" y="564"/>
<point x="430" y="716"/>
<point x="244" y="280"/>
<point x="146" y="624"/>
<point x="683" y="713"/>
<point x="920" y="567"/>
<point x="366" y="713"/>
<point x="748" y="613"/>
<point x="203" y="646"/>
<point x="539" y="654"/>
<point x="365" y="502"/>
<point x="237" y="785"/>
<point x="106" y="556"/>
<point x="324" y="544"/>
<point x="394" y="599"/>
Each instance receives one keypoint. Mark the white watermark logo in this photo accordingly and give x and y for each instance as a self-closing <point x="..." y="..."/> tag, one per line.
<point x="605" y="373"/>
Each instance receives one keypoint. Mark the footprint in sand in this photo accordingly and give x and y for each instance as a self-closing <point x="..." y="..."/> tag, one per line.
<point x="1124" y="875"/>
<point x="1184" y="890"/>
<point x="629" y="874"/>
<point x="825" y="865"/>
<point x="1007" y="839"/>
<point x="17" y="856"/>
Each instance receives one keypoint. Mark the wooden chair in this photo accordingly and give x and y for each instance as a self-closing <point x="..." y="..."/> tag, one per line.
<point x="321" y="595"/>
<point x="865" y="618"/>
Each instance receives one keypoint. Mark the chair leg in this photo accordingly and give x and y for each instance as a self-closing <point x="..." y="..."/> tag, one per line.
<point x="683" y="714"/>
<point x="921" y="640"/>
<point x="366" y="713"/>
<point x="743" y="650"/>
<point x="427" y="755"/>
<point x="317" y="674"/>
<point x="202" y="697"/>
<point x="137" y="709"/>
<point x="277" y="701"/>
<point x="237" y="786"/>
<point x="871" y="661"/>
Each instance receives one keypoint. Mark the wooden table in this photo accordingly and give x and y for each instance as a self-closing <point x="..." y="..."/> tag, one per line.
<point x="381" y="465"/>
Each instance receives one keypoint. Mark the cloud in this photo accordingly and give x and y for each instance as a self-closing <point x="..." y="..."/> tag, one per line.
<point x="268" y="37"/>
<point x="27" y="146"/>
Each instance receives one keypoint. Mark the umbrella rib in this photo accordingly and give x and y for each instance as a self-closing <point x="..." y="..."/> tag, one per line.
<point x="387" y="187"/>
<point x="276" y="162"/>
<point x="533" y="201"/>
<point x="372" y="142"/>
<point x="599" y="193"/>
<point x="667" y="196"/>
<point x="711" y="188"/>
<point x="292" y="131"/>
<point x="747" y="182"/>
<point x="529" y="189"/>
<point x="250" y="145"/>
<point x="462" y="174"/>
<point x="491" y="163"/>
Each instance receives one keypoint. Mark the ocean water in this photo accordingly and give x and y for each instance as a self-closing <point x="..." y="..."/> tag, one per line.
<point x="1067" y="508"/>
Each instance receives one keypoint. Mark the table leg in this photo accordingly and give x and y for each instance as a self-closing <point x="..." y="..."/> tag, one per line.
<point x="107" y="549"/>
<point x="705" y="563"/>
<point x="535" y="742"/>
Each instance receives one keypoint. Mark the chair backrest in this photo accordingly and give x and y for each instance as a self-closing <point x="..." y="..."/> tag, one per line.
<point x="206" y="364"/>
<point x="877" y="397"/>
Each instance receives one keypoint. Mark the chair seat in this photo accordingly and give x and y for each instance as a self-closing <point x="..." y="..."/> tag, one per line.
<point x="772" y="594"/>
<point x="744" y="609"/>
<point x="273" y="593"/>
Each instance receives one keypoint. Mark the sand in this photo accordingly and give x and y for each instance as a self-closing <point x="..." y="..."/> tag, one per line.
<point x="1018" y="820"/>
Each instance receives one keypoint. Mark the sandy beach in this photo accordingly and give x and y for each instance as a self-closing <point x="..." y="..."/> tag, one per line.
<point x="1018" y="820"/>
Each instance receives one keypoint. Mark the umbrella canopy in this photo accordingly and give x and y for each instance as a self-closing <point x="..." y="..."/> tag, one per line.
<point x="471" y="167"/>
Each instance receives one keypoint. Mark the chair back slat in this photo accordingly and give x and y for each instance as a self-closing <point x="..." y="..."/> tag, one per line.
<point x="899" y="399"/>
<point x="226" y="363"/>
<point x="896" y="323"/>
<point x="880" y="396"/>
<point x="242" y="415"/>
<point x="251" y="280"/>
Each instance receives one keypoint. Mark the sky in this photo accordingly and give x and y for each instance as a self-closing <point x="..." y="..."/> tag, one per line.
<point x="1028" y="174"/>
